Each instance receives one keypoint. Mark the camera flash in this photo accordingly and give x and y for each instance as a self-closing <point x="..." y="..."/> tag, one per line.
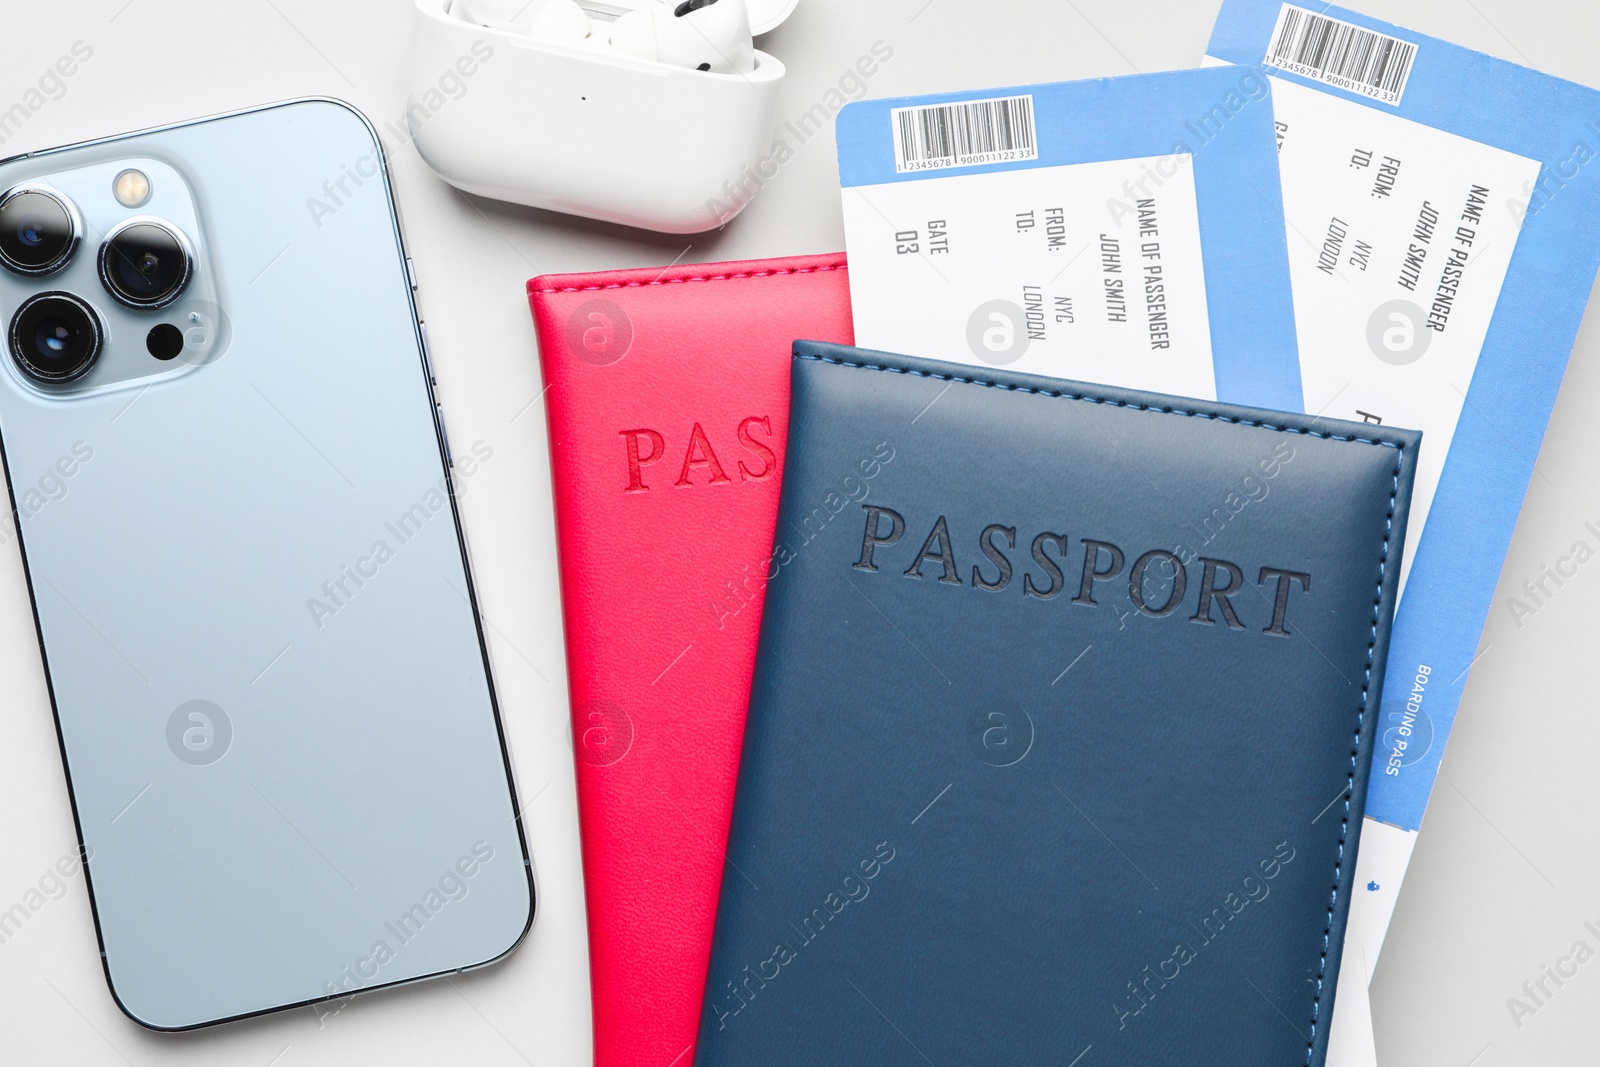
<point x="132" y="188"/>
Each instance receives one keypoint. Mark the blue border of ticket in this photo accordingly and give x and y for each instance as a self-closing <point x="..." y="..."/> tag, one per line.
<point x="1452" y="581"/>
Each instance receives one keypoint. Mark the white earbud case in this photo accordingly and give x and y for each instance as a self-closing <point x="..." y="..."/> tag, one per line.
<point x="582" y="128"/>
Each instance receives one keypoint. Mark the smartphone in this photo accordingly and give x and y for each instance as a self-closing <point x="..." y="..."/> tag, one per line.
<point x="232" y="494"/>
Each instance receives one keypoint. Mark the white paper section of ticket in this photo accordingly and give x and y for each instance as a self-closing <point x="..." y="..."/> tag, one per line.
<point x="1396" y="259"/>
<point x="1088" y="270"/>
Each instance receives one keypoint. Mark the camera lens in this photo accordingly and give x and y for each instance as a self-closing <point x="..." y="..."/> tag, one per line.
<point x="37" y="233"/>
<point x="145" y="264"/>
<point x="55" y="337"/>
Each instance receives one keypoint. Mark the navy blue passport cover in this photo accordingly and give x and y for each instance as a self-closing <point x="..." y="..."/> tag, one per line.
<point x="1060" y="728"/>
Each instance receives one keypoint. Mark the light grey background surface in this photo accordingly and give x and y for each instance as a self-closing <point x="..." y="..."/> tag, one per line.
<point x="1506" y="873"/>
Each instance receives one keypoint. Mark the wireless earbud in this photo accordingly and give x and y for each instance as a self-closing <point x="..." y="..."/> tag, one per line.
<point x="548" y="20"/>
<point x="711" y="35"/>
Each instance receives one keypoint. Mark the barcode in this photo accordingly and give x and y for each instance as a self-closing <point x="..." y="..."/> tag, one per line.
<point x="964" y="135"/>
<point x="1341" y="54"/>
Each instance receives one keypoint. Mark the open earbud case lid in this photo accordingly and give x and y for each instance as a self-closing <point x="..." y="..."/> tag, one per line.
<point x="769" y="14"/>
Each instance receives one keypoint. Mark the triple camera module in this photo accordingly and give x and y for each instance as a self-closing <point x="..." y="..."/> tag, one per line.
<point x="145" y="263"/>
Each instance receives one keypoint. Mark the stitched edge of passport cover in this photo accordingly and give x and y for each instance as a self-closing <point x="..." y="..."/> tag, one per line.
<point x="1019" y="384"/>
<point x="1404" y="445"/>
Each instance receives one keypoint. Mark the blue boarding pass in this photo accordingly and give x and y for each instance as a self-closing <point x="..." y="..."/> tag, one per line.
<point x="1106" y="230"/>
<point x="1443" y="211"/>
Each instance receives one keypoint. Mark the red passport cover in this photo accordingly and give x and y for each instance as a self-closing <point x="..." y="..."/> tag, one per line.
<point x="667" y="393"/>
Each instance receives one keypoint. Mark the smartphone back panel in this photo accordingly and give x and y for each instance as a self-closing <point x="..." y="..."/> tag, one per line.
<point x="270" y="685"/>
